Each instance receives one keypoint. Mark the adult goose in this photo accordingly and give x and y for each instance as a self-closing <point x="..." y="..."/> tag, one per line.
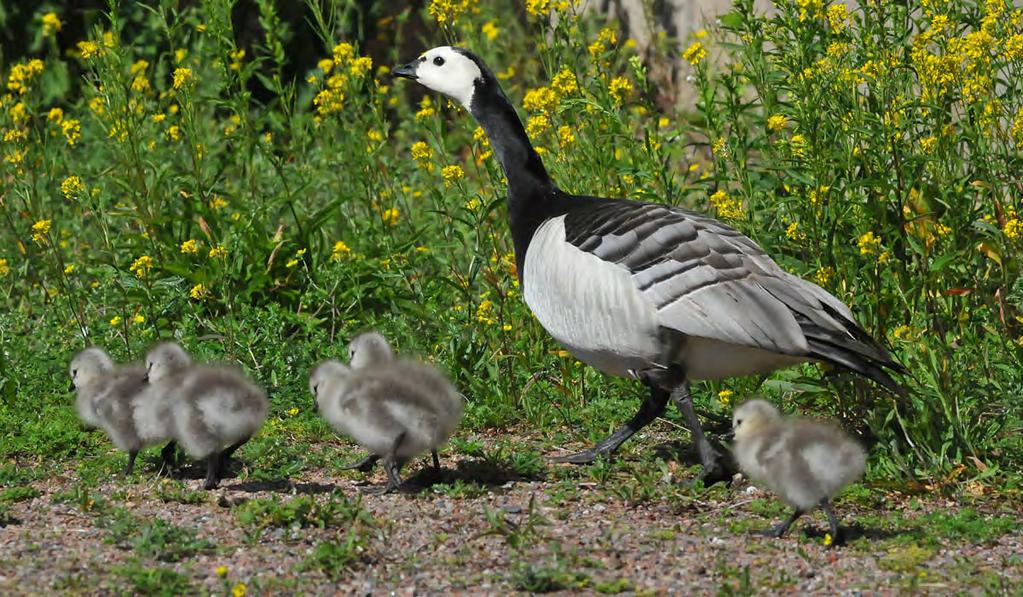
<point x="660" y="293"/>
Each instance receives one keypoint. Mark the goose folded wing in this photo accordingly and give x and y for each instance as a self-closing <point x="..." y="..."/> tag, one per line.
<point x="706" y="279"/>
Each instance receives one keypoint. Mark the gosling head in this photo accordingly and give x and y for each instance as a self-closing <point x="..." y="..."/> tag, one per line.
<point x="369" y="348"/>
<point x="165" y="360"/>
<point x="89" y="366"/>
<point x="751" y="416"/>
<point x="324" y="374"/>
<point x="455" y="72"/>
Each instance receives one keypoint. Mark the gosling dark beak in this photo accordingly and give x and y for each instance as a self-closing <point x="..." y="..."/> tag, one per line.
<point x="145" y="379"/>
<point x="407" y="71"/>
<point x="729" y="435"/>
<point x="71" y="386"/>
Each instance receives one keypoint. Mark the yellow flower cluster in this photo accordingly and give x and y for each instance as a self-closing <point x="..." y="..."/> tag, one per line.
<point x="536" y="125"/>
<point x="564" y="83"/>
<point x="51" y="24"/>
<point x="22" y="74"/>
<point x="422" y="154"/>
<point x="217" y="251"/>
<point x="485" y="312"/>
<point x="838" y="17"/>
<point x="726" y="206"/>
<point x="1013" y="227"/>
<point x="40" y="229"/>
<point x="869" y="243"/>
<point x="71" y="186"/>
<point x="89" y="49"/>
<point x="605" y="39"/>
<point x="490" y="30"/>
<point x="183" y="78"/>
<point x="452" y="174"/>
<point x="543" y="99"/>
<point x="565" y="136"/>
<point x="537" y="8"/>
<point x="190" y="247"/>
<point x="390" y="216"/>
<point x="331" y="98"/>
<point x="776" y="122"/>
<point x="199" y="292"/>
<point x="4" y="267"/>
<point x="695" y="53"/>
<point x="619" y="88"/>
<point x="794" y="233"/>
<point x="72" y="130"/>
<point x="141" y="266"/>
<point x="725" y="397"/>
<point x="809" y="9"/>
<point x="425" y="108"/>
<point x="449" y="11"/>
<point x="340" y="251"/>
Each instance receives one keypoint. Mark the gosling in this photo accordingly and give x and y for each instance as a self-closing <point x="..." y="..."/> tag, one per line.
<point x="395" y="408"/>
<point x="215" y="410"/>
<point x="111" y="397"/>
<point x="805" y="462"/>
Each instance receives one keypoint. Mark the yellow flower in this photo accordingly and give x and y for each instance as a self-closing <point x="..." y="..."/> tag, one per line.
<point x="361" y="66"/>
<point x="695" y="53"/>
<point x="55" y="115"/>
<point x="425" y="108"/>
<point x="927" y="143"/>
<point x="543" y="99"/>
<point x="183" y="77"/>
<point x="452" y="174"/>
<point x="828" y="540"/>
<point x="490" y="30"/>
<point x="51" y="24"/>
<point x="903" y="332"/>
<point x="71" y="186"/>
<point x="536" y="125"/>
<point x="292" y="411"/>
<point x="620" y="88"/>
<point x="179" y="55"/>
<point x="343" y="53"/>
<point x="22" y="74"/>
<point x="72" y="130"/>
<point x="217" y="251"/>
<point x="69" y="269"/>
<point x="141" y="266"/>
<point x="190" y="247"/>
<point x="838" y="17"/>
<point x="797" y="144"/>
<point x="218" y="203"/>
<point x="4" y="267"/>
<point x="340" y="250"/>
<point x="1013" y="229"/>
<point x="326" y="65"/>
<point x="115" y="321"/>
<point x="138" y="319"/>
<point x="794" y="233"/>
<point x="88" y="49"/>
<point x="221" y="571"/>
<point x="174" y="132"/>
<point x="236" y="59"/>
<point x="448" y="11"/>
<point x="823" y="275"/>
<point x="199" y="292"/>
<point x="390" y="216"/>
<point x="238" y="590"/>
<point x="725" y="397"/>
<point x="472" y="204"/>
<point x="40" y="229"/>
<point x="565" y="136"/>
<point x="537" y="7"/>
<point x="727" y="207"/>
<point x="565" y="83"/>
<point x="868" y="243"/>
<point x="776" y="122"/>
<point x="422" y="154"/>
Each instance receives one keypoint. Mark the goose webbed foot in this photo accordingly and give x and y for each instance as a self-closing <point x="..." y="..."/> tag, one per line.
<point x="782" y="527"/>
<point x="212" y="471"/>
<point x="836" y="533"/>
<point x="130" y="467"/>
<point x="391" y="465"/>
<point x="363" y="466"/>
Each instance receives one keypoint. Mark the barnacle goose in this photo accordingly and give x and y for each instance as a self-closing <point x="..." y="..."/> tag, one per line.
<point x="805" y="462"/>
<point x="654" y="291"/>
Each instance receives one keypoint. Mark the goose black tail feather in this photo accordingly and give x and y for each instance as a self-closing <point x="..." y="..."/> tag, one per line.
<point x="873" y="369"/>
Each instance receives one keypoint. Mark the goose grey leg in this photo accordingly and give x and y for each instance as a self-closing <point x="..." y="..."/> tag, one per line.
<point x="836" y="538"/>
<point x="225" y="456"/>
<point x="713" y="471"/>
<point x="167" y="457"/>
<point x="391" y="466"/>
<point x="212" y="471"/>
<point x="651" y="408"/>
<point x="131" y="462"/>
<point x="365" y="465"/>
<point x="779" y="529"/>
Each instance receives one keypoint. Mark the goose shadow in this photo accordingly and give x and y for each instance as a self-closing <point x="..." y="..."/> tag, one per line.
<point x="684" y="452"/>
<point x="485" y="472"/>
<point x="282" y="486"/>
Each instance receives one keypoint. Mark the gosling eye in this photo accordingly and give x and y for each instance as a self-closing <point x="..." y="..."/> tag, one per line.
<point x="439" y="61"/>
<point x="74" y="373"/>
<point x="316" y="388"/>
<point x="738" y="422"/>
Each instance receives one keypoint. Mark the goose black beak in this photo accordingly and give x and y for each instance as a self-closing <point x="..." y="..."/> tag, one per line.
<point x="729" y="435"/>
<point x="71" y="386"/>
<point x="406" y="71"/>
<point x="146" y="378"/>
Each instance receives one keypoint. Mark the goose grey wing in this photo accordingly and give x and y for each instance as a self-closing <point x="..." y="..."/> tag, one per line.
<point x="705" y="278"/>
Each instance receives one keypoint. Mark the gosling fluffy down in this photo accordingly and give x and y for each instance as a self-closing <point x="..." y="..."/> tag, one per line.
<point x="804" y="462"/>
<point x="215" y="410"/>
<point x="396" y="408"/>
<point x="112" y="398"/>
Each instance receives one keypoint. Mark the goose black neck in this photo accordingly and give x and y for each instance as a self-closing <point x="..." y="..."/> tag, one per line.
<point x="527" y="177"/>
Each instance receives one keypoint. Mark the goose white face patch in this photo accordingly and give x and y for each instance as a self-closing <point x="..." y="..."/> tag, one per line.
<point x="449" y="72"/>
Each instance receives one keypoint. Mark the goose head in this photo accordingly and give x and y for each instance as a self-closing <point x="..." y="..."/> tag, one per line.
<point x="165" y="360"/>
<point x="455" y="72"/>
<point x="369" y="348"/>
<point x="89" y="366"/>
<point x="323" y="376"/>
<point x="752" y="416"/>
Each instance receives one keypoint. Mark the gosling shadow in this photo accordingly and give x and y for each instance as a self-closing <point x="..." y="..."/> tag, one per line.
<point x="857" y="531"/>
<point x="485" y="472"/>
<point x="282" y="486"/>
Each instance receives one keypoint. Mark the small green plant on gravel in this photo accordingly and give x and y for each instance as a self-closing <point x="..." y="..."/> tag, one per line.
<point x="460" y="489"/>
<point x="168" y="542"/>
<point x="519" y="535"/>
<point x="336" y="558"/>
<point x="547" y="578"/>
<point x="173" y="490"/>
<point x="142" y="579"/>
<point x="300" y="512"/>
<point x="6" y="518"/>
<point x="83" y="498"/>
<point x="18" y="494"/>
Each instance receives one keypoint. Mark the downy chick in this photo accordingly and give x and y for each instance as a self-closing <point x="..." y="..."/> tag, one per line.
<point x="109" y="397"/>
<point x="395" y="408"/>
<point x="215" y="410"/>
<point x="805" y="462"/>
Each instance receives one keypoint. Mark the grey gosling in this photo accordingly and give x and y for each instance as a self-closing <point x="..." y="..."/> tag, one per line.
<point x="215" y="409"/>
<point x="804" y="462"/>
<point x="117" y="399"/>
<point x="396" y="408"/>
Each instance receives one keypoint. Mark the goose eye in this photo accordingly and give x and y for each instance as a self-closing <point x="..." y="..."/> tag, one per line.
<point x="439" y="61"/>
<point x="738" y="422"/>
<point x="316" y="388"/>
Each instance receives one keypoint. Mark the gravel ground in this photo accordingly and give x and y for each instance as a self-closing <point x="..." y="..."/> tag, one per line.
<point x="424" y="541"/>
